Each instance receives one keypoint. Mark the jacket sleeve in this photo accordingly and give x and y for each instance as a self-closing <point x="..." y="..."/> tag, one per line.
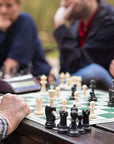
<point x="72" y="55"/>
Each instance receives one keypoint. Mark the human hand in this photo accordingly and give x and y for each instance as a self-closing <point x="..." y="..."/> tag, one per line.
<point x="10" y="65"/>
<point x="13" y="109"/>
<point x="111" y="68"/>
<point x="51" y="77"/>
<point x="5" y="23"/>
<point x="62" y="15"/>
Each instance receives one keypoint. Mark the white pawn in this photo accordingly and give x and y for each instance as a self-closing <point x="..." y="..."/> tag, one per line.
<point x="51" y="95"/>
<point x="92" y="108"/>
<point x="57" y="91"/>
<point x="43" y="83"/>
<point x="62" y="79"/>
<point x="84" y="90"/>
<point x="79" y="81"/>
<point x="76" y="99"/>
<point x="64" y="102"/>
<point x="39" y="108"/>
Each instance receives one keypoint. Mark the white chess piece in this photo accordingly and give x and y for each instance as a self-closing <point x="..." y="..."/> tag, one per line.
<point x="57" y="91"/>
<point x="43" y="83"/>
<point x="51" y="95"/>
<point x="39" y="108"/>
<point x="76" y="99"/>
<point x="84" y="90"/>
<point x="64" y="102"/>
<point x="92" y="108"/>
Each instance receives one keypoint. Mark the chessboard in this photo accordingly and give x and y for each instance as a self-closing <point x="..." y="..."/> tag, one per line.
<point x="103" y="112"/>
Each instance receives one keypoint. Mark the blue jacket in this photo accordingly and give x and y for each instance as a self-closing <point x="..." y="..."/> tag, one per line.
<point x="99" y="45"/>
<point x="22" y="44"/>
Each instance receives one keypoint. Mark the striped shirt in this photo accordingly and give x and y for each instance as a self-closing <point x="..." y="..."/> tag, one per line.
<point x="3" y="128"/>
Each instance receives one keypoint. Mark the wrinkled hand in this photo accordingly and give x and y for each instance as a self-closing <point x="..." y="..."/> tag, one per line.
<point x="111" y="69"/>
<point x="62" y="15"/>
<point x="10" y="65"/>
<point x="13" y="109"/>
<point x="5" y="23"/>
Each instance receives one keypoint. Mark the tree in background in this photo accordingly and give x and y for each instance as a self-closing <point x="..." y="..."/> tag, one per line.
<point x="43" y="12"/>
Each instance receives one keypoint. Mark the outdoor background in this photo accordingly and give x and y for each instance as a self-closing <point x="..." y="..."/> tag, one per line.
<point x="43" y="12"/>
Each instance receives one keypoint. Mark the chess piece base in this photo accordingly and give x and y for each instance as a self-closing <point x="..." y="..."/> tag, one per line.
<point x="73" y="133"/>
<point x="50" y="125"/>
<point x="110" y="104"/>
<point x="38" y="113"/>
<point x="87" y="128"/>
<point x="93" y="116"/>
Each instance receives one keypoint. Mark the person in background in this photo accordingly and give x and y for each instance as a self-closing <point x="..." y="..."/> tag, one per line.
<point x="86" y="46"/>
<point x="13" y="109"/>
<point x="112" y="67"/>
<point x="20" y="45"/>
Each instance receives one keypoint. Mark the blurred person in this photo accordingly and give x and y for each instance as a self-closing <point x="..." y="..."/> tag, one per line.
<point x="13" y="109"/>
<point x="112" y="67"/>
<point x="19" y="42"/>
<point x="87" y="45"/>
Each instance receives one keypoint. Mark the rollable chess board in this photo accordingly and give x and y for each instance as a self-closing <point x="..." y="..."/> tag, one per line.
<point x="103" y="112"/>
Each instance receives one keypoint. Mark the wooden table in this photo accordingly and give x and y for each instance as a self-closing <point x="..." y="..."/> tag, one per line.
<point x="30" y="132"/>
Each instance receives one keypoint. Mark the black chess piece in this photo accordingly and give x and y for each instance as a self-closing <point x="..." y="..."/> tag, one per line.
<point x="92" y="85"/>
<point x="111" y="98"/>
<point x="73" y="129"/>
<point x="80" y="127"/>
<point x="92" y="97"/>
<point x="73" y="89"/>
<point x="62" y="127"/>
<point x="86" y="125"/>
<point x="50" y="117"/>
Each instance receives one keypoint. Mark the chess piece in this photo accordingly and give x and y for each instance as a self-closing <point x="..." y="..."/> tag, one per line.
<point x="86" y="125"/>
<point x="76" y="99"/>
<point x="50" y="117"/>
<point x="62" y="79"/>
<point x="73" y="129"/>
<point x="64" y="102"/>
<point x="43" y="83"/>
<point x="111" y="98"/>
<point x="62" y="127"/>
<point x="92" y="108"/>
<point x="84" y="90"/>
<point x="93" y="85"/>
<point x="92" y="97"/>
<point x="79" y="81"/>
<point x="57" y="91"/>
<point x="51" y="95"/>
<point x="73" y="89"/>
<point x="39" y="109"/>
<point x="80" y="127"/>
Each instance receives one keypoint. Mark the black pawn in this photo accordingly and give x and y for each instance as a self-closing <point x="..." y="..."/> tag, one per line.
<point x="62" y="126"/>
<point x="111" y="98"/>
<point x="73" y="129"/>
<point x="73" y="89"/>
<point x="80" y="127"/>
<point x="50" y="117"/>
<point x="92" y="85"/>
<point x="86" y="125"/>
<point x="92" y="97"/>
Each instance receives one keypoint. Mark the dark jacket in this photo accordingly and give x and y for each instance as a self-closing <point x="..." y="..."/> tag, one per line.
<point x="98" y="47"/>
<point x="22" y="44"/>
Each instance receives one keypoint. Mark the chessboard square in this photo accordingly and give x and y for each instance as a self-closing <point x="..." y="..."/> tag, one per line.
<point x="108" y="110"/>
<point x="107" y="115"/>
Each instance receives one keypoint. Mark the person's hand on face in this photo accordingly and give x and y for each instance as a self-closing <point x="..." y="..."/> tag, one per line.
<point x="13" y="109"/>
<point x="62" y="15"/>
<point x="5" y="23"/>
<point x="111" y="68"/>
